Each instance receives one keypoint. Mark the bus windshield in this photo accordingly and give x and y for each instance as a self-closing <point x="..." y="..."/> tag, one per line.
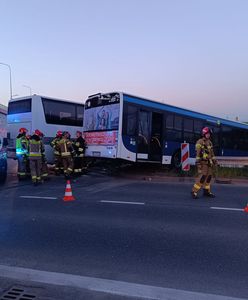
<point x="102" y="113"/>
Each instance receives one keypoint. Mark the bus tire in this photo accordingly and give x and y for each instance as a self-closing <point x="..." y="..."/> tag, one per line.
<point x="176" y="160"/>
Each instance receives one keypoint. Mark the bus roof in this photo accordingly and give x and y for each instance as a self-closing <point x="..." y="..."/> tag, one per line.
<point x="50" y="98"/>
<point x="186" y="112"/>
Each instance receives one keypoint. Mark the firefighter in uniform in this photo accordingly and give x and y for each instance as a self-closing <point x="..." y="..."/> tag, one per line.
<point x="44" y="167"/>
<point x="79" y="147"/>
<point x="205" y="161"/>
<point x="66" y="150"/>
<point x="56" y="152"/>
<point x="36" y="148"/>
<point x="21" y="153"/>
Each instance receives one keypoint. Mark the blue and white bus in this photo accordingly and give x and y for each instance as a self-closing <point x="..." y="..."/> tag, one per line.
<point x="121" y="126"/>
<point x="46" y="114"/>
<point x="3" y="142"/>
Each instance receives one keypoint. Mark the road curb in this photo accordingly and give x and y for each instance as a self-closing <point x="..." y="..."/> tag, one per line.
<point x="157" y="178"/>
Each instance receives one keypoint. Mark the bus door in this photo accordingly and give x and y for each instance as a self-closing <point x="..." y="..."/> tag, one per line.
<point x="155" y="151"/>
<point x="144" y="121"/>
<point x="150" y="126"/>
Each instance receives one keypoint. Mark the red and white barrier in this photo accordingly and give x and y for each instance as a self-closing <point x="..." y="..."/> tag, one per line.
<point x="185" y="156"/>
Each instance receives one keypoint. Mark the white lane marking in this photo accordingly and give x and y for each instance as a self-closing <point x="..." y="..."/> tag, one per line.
<point x="38" y="197"/>
<point x="122" y="202"/>
<point x="121" y="288"/>
<point x="227" y="208"/>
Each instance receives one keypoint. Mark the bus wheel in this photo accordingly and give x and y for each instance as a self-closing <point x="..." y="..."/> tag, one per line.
<point x="176" y="160"/>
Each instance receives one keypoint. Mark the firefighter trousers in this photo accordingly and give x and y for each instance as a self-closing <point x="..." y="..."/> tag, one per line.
<point x="44" y="168"/>
<point x="204" y="177"/>
<point x="35" y="168"/>
<point x="58" y="163"/>
<point x="78" y="165"/>
<point x="22" y="166"/>
<point x="67" y="163"/>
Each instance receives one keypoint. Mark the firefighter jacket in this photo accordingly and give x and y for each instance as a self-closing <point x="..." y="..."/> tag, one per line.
<point x="36" y="146"/>
<point x="55" y="145"/>
<point x="21" y="144"/>
<point x="79" y="146"/>
<point x="65" y="147"/>
<point x="205" y="152"/>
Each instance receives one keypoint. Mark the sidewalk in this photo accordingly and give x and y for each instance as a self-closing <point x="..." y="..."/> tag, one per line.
<point x="40" y="291"/>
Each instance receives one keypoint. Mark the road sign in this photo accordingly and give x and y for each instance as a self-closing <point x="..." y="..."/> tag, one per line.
<point x="185" y="156"/>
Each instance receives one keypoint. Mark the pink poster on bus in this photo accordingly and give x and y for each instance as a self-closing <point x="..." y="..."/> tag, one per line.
<point x="101" y="138"/>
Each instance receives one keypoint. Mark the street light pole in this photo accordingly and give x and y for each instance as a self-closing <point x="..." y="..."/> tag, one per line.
<point x="30" y="90"/>
<point x="10" y="79"/>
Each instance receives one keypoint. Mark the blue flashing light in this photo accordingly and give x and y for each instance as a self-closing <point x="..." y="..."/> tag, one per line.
<point x="20" y="151"/>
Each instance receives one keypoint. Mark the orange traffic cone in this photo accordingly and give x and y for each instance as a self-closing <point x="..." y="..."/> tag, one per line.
<point x="68" y="192"/>
<point x="246" y="208"/>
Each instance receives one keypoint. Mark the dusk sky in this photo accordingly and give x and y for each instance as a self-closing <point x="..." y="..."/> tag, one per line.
<point x="188" y="53"/>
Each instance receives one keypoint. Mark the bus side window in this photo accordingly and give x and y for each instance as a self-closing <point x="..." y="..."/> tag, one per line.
<point x="169" y="121"/>
<point x="188" y="126"/>
<point x="226" y="137"/>
<point x="58" y="112"/>
<point x="169" y="125"/>
<point x="178" y="123"/>
<point x="198" y="125"/>
<point x="239" y="139"/>
<point x="129" y="120"/>
<point x="144" y="131"/>
<point x="174" y="133"/>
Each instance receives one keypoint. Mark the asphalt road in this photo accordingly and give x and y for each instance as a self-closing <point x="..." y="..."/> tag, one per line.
<point x="162" y="238"/>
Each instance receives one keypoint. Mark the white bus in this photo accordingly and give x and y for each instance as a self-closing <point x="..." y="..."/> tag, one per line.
<point x="46" y="114"/>
<point x="3" y="142"/>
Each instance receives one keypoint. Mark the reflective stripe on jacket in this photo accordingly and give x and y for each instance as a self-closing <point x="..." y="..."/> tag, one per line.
<point x="21" y="145"/>
<point x="55" y="145"/>
<point x="204" y="150"/>
<point x="36" y="147"/>
<point x="65" y="147"/>
<point x="79" y="146"/>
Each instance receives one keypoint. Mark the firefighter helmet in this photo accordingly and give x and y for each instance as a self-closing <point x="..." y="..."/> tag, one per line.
<point x="59" y="133"/>
<point x="23" y="130"/>
<point x="206" y="130"/>
<point x="38" y="132"/>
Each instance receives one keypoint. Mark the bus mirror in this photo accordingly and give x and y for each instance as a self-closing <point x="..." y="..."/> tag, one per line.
<point x="5" y="142"/>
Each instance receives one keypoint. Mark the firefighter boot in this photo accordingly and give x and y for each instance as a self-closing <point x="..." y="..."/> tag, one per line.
<point x="207" y="193"/>
<point x="194" y="195"/>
